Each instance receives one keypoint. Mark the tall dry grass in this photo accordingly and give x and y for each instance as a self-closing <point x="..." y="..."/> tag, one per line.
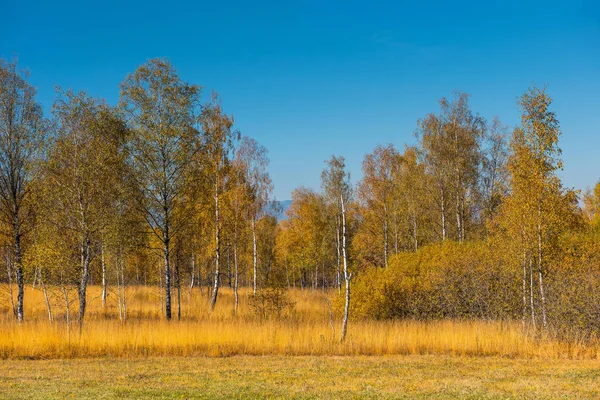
<point x="304" y="331"/>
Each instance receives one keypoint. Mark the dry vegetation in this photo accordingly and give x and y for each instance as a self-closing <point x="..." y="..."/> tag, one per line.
<point x="301" y="377"/>
<point x="305" y="330"/>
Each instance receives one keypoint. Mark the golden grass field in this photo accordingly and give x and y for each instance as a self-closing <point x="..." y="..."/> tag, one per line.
<point x="306" y="331"/>
<point x="222" y="355"/>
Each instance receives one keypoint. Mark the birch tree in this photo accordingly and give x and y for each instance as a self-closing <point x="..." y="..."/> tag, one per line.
<point x="451" y="146"/>
<point x="82" y="172"/>
<point x="347" y="273"/>
<point x="22" y="133"/>
<point x="591" y="205"/>
<point x="162" y="110"/>
<point x="411" y="186"/>
<point x="377" y="193"/>
<point x="253" y="157"/>
<point x="538" y="208"/>
<point x="335" y="181"/>
<point x="495" y="175"/>
<point x="219" y="140"/>
<point x="305" y="234"/>
<point x="238" y="204"/>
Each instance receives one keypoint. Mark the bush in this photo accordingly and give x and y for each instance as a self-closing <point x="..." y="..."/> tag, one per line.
<point x="573" y="283"/>
<point x="271" y="302"/>
<point x="448" y="280"/>
<point x="484" y="281"/>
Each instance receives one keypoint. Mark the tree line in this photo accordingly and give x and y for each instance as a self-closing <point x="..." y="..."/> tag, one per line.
<point x="472" y="222"/>
<point x="155" y="190"/>
<point x="161" y="189"/>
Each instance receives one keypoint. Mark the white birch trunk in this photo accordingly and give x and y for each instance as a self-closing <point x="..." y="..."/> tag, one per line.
<point x="235" y="281"/>
<point x="443" y="210"/>
<point x="254" y="255"/>
<point x="338" y="251"/>
<point x="215" y="292"/>
<point x="47" y="299"/>
<point x="347" y="275"/>
<point x="103" y="261"/>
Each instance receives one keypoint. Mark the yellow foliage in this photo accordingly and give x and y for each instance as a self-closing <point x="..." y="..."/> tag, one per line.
<point x="446" y="280"/>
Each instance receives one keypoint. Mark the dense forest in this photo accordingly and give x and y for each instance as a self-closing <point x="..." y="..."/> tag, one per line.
<point x="161" y="190"/>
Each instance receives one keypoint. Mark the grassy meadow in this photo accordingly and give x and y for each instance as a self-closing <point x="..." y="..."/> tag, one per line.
<point x="222" y="355"/>
<point x="306" y="330"/>
<point x="301" y="377"/>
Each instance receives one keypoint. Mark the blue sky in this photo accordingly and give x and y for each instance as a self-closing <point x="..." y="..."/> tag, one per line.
<point x="316" y="78"/>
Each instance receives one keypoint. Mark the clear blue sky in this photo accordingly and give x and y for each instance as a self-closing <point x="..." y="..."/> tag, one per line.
<point x="311" y="79"/>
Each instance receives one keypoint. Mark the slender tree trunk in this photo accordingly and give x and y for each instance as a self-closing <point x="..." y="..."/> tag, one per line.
<point x="338" y="280"/>
<point x="123" y="287"/>
<point x="68" y="311"/>
<point x="19" y="273"/>
<point x="395" y="235"/>
<point x="103" y="261"/>
<point x="330" y="314"/>
<point x="443" y="212"/>
<point x="347" y="275"/>
<point x="229" y="278"/>
<point x="524" y="290"/>
<point x="294" y="276"/>
<point x="459" y="227"/>
<point x="160" y="292"/>
<point x="541" y="269"/>
<point x="215" y="291"/>
<point x="531" y="302"/>
<point x="254" y="254"/>
<point x="463" y="233"/>
<point x="235" y="280"/>
<point x="118" y="281"/>
<point x="192" y="278"/>
<point x="167" y="276"/>
<point x="47" y="299"/>
<point x="325" y="280"/>
<point x="189" y="292"/>
<point x="415" y="236"/>
<point x="459" y="183"/>
<point x="35" y="276"/>
<point x="178" y="282"/>
<point x="385" y="237"/>
<point x="9" y="272"/>
<point x="85" y="274"/>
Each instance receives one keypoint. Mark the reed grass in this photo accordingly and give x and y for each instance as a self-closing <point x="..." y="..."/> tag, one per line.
<point x="304" y="331"/>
